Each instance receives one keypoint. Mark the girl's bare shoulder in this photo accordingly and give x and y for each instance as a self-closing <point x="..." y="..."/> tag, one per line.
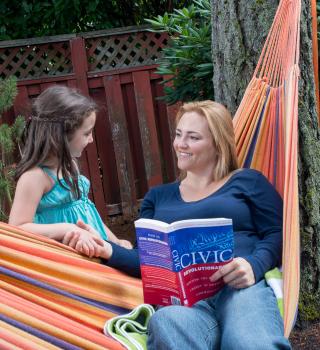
<point x="36" y="177"/>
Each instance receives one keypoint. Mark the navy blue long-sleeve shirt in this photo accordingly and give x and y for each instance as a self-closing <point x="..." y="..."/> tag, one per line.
<point x="247" y="198"/>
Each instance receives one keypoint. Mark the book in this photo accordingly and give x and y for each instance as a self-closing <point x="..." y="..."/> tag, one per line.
<point x="177" y="259"/>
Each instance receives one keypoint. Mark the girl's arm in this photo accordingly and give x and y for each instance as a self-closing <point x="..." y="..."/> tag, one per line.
<point x="30" y="188"/>
<point x="113" y="238"/>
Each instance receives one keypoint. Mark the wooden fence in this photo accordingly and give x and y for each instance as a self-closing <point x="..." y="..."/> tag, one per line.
<point x="132" y="145"/>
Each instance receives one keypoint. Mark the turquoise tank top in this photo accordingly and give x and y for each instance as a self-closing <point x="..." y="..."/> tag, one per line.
<point x="59" y="205"/>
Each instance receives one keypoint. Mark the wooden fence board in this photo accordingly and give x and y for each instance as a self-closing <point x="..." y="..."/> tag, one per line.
<point x="168" y="160"/>
<point x="148" y="130"/>
<point x="105" y="149"/>
<point x="171" y="113"/>
<point x="120" y="139"/>
<point x="140" y="182"/>
<point x="22" y="103"/>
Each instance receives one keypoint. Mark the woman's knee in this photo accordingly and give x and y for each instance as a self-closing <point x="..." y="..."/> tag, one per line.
<point x="170" y="317"/>
<point x="162" y="316"/>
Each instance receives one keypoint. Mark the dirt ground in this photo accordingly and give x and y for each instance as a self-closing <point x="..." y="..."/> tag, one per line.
<point x="301" y="339"/>
<point x="306" y="339"/>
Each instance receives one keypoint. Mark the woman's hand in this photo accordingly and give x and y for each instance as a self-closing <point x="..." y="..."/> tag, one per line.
<point x="237" y="274"/>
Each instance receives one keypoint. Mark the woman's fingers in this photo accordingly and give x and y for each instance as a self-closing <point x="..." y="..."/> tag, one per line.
<point x="86" y="248"/>
<point x="71" y="239"/>
<point x="98" y="241"/>
<point x="237" y="274"/>
<point x="67" y="237"/>
<point x="222" y="272"/>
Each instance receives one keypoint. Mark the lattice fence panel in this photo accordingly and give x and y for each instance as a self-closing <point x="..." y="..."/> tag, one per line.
<point x="35" y="61"/>
<point x="125" y="50"/>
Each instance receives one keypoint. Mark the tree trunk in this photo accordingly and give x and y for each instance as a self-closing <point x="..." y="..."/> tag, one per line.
<point x="239" y="30"/>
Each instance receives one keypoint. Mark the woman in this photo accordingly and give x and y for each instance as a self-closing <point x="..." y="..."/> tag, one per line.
<point x="244" y="314"/>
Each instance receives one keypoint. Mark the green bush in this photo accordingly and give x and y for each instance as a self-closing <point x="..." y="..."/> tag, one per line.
<point x="187" y="60"/>
<point x="10" y="135"/>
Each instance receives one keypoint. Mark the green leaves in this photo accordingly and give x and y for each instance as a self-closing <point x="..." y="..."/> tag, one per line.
<point x="187" y="58"/>
<point x="8" y="92"/>
<point x="10" y="136"/>
<point x="6" y="141"/>
<point x="30" y="18"/>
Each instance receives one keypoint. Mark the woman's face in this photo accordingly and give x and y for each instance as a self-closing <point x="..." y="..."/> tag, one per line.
<point x="193" y="144"/>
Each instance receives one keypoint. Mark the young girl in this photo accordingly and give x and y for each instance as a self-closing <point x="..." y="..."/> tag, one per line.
<point x="51" y="196"/>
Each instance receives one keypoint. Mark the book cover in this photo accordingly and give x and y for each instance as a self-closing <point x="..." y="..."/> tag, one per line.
<point x="177" y="259"/>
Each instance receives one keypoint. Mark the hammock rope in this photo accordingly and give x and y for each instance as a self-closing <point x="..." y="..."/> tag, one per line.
<point x="266" y="128"/>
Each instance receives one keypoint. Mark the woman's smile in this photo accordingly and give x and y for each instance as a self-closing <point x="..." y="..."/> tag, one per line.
<point x="193" y="144"/>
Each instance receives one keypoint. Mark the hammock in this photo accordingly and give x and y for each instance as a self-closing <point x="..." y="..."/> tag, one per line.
<point x="267" y="136"/>
<point x="53" y="298"/>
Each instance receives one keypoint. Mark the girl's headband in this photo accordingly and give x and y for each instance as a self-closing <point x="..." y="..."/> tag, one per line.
<point x="50" y="120"/>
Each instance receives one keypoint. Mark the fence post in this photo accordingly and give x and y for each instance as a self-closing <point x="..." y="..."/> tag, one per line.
<point x="80" y="69"/>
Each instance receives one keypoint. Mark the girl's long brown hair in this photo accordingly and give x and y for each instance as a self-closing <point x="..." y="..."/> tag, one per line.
<point x="56" y="113"/>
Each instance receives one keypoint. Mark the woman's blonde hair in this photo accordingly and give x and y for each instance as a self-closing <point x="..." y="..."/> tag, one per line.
<point x="220" y="125"/>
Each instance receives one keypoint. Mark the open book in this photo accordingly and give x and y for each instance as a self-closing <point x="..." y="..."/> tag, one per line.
<point x="177" y="259"/>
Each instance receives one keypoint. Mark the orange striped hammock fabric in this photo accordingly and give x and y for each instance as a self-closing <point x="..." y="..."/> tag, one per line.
<point x="53" y="298"/>
<point x="266" y="128"/>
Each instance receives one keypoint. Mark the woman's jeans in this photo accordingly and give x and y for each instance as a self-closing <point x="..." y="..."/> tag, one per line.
<point x="239" y="319"/>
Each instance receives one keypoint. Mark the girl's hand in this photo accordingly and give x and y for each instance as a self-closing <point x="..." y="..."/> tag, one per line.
<point x="83" y="242"/>
<point x="125" y="244"/>
<point x="88" y="244"/>
<point x="237" y="274"/>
